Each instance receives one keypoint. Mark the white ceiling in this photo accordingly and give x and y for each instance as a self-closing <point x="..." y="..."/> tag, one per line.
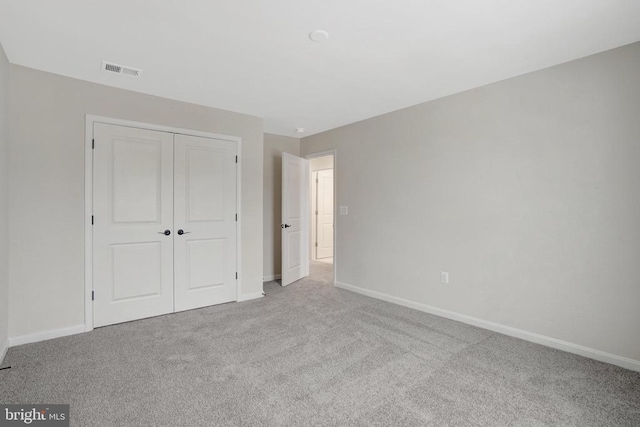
<point x="254" y="56"/>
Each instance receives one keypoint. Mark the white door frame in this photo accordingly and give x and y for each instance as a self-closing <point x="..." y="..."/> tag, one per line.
<point x="314" y="207"/>
<point x="90" y="120"/>
<point x="333" y="153"/>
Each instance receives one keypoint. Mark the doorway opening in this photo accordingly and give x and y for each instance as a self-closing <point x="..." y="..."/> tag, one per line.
<point x="308" y="240"/>
<point x="322" y="217"/>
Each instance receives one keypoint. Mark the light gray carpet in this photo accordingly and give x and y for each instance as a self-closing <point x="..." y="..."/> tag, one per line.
<point x="311" y="354"/>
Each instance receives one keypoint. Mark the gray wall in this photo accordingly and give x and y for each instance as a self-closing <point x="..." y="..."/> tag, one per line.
<point x="274" y="146"/>
<point x="525" y="191"/>
<point x="4" y="202"/>
<point x="47" y="116"/>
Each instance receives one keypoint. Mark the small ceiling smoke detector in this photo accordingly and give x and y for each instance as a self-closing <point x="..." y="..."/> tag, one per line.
<point x="299" y="130"/>
<point x="318" y="36"/>
<point x="120" y="69"/>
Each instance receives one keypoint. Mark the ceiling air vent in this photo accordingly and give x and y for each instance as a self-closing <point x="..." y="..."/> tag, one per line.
<point x="120" y="69"/>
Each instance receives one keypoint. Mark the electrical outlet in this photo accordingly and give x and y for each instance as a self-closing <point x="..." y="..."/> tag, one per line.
<point x="344" y="210"/>
<point x="444" y="277"/>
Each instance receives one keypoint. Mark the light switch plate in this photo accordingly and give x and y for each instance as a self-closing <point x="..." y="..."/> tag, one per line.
<point x="444" y="277"/>
<point x="344" y="210"/>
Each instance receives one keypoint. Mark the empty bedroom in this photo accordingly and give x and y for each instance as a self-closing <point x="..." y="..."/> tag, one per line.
<point x="328" y="213"/>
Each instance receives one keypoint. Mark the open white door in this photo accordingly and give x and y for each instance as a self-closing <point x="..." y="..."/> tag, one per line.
<point x="295" y="222"/>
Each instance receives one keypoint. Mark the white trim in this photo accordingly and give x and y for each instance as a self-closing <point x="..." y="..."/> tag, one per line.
<point x="3" y="350"/>
<point x="306" y="209"/>
<point x="88" y="230"/>
<point x="90" y="120"/>
<point x="46" y="335"/>
<point x="333" y="153"/>
<point x="239" y="221"/>
<point x="313" y="220"/>
<point x="602" y="356"/>
<point x="271" y="278"/>
<point x="248" y="297"/>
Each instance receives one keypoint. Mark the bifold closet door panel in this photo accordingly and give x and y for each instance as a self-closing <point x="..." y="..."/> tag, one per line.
<point x="133" y="223"/>
<point x="205" y="221"/>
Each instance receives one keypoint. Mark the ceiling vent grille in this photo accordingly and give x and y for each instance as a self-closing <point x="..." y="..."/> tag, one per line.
<point x="120" y="69"/>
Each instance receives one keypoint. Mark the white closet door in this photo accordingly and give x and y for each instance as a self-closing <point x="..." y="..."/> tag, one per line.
<point x="132" y="206"/>
<point x="205" y="211"/>
<point x="324" y="214"/>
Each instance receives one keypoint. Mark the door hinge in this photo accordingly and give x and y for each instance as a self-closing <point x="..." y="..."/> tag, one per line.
<point x="93" y="144"/>
<point x="236" y="217"/>
<point x="91" y="219"/>
<point x="93" y="295"/>
<point x="316" y="212"/>
<point x="317" y="180"/>
<point x="316" y="244"/>
<point x="236" y="275"/>
<point x="236" y="159"/>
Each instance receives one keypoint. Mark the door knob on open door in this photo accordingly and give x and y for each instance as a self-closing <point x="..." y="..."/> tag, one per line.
<point x="181" y="232"/>
<point x="284" y="226"/>
<point x="165" y="232"/>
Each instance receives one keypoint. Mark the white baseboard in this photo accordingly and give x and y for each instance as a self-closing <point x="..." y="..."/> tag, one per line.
<point x="46" y="335"/>
<point x="247" y="297"/>
<point x="271" y="278"/>
<point x="4" y="347"/>
<point x="602" y="356"/>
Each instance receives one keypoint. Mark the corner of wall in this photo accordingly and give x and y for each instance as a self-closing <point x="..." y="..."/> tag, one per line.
<point x="4" y="204"/>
